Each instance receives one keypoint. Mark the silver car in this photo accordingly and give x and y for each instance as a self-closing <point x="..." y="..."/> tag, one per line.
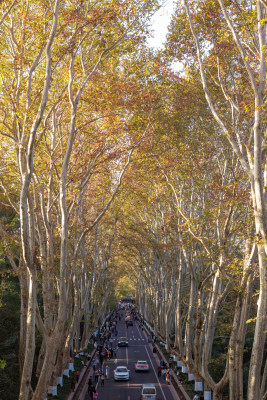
<point x="121" y="373"/>
<point x="141" y="366"/>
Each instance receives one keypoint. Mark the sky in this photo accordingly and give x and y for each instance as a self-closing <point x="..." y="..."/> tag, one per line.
<point x="160" y="22"/>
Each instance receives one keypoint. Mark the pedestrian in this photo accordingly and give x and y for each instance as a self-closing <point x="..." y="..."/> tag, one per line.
<point x="96" y="375"/>
<point x="94" y="364"/>
<point x="91" y="390"/>
<point x="168" y="377"/>
<point x="90" y="382"/>
<point x="102" y="378"/>
<point x="107" y="371"/>
<point x="164" y="372"/>
<point x="154" y="351"/>
<point x="77" y="374"/>
<point x="161" y="363"/>
<point x="170" y="362"/>
<point x="72" y="384"/>
<point x="159" y="370"/>
<point x="196" y="397"/>
<point x="115" y="352"/>
<point x="95" y="395"/>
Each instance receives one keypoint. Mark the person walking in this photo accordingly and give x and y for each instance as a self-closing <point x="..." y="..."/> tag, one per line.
<point x="164" y="372"/>
<point x="95" y="395"/>
<point x="154" y="352"/>
<point x="102" y="378"/>
<point x="94" y="364"/>
<point x="168" y="377"/>
<point x="107" y="371"/>
<point x="96" y="376"/>
<point x="90" y="382"/>
<point x="159" y="370"/>
<point x="72" y="385"/>
<point x="91" y="391"/>
<point x="77" y="374"/>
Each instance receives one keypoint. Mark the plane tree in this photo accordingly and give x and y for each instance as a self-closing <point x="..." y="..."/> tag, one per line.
<point x="226" y="41"/>
<point x="49" y="113"/>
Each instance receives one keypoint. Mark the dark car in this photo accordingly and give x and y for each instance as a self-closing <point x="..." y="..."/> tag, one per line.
<point x="122" y="342"/>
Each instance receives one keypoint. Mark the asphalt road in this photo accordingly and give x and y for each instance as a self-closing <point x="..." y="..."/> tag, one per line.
<point x="138" y="349"/>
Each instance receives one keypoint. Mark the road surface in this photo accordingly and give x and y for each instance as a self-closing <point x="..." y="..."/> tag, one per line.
<point x="138" y="349"/>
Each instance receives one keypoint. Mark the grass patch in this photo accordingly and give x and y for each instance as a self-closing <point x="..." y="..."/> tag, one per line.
<point x="189" y="386"/>
<point x="63" y="392"/>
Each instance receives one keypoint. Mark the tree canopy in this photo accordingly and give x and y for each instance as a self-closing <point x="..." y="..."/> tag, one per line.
<point x="123" y="176"/>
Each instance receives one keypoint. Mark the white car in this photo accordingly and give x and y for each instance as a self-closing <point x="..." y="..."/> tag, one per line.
<point x="121" y="373"/>
<point x="148" y="391"/>
<point x="141" y="366"/>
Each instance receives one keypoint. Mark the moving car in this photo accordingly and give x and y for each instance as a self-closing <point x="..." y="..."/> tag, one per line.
<point x="122" y="342"/>
<point x="121" y="373"/>
<point x="148" y="391"/>
<point x="141" y="366"/>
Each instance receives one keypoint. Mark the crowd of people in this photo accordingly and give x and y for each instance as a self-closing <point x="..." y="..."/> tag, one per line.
<point x="105" y="350"/>
<point x="165" y="371"/>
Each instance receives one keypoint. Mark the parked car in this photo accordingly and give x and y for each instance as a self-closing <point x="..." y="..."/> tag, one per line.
<point x="141" y="366"/>
<point x="122" y="342"/>
<point x="121" y="373"/>
<point x="148" y="391"/>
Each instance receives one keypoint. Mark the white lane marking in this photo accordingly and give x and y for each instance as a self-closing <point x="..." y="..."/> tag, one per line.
<point x="127" y="355"/>
<point x="156" y="375"/>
